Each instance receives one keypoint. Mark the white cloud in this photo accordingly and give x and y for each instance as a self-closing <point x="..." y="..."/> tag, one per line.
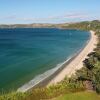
<point x="50" y="18"/>
<point x="13" y="16"/>
<point x="67" y="16"/>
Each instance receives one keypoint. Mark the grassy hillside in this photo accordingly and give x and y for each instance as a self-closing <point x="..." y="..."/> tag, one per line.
<point x="79" y="96"/>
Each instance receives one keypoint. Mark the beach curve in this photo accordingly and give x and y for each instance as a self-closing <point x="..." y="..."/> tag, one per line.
<point x="77" y="62"/>
<point x="67" y="68"/>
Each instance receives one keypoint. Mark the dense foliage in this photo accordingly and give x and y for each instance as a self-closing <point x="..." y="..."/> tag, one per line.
<point x="91" y="70"/>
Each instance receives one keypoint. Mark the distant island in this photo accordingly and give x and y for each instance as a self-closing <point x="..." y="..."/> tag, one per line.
<point x="82" y="25"/>
<point x="47" y="25"/>
<point x="34" y="25"/>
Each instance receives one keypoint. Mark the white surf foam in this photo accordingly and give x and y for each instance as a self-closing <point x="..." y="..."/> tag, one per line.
<point x="41" y="77"/>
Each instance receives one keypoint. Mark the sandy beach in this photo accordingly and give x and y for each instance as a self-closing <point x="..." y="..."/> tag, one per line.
<point x="77" y="62"/>
<point x="69" y="67"/>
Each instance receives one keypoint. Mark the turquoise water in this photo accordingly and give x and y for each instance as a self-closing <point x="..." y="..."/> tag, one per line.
<point x="26" y="53"/>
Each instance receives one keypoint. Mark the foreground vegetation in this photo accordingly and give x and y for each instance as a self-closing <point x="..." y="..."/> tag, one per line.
<point x="91" y="71"/>
<point x="87" y="78"/>
<point x="45" y="93"/>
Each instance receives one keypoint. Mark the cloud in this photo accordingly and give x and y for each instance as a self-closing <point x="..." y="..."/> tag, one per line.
<point x="50" y="18"/>
<point x="67" y="16"/>
<point x="13" y="16"/>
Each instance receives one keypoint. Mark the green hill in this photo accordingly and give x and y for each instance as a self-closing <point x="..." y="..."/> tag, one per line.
<point x="79" y="96"/>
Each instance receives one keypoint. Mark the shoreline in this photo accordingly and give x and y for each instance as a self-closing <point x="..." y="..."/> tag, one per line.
<point x="66" y="69"/>
<point x="77" y="62"/>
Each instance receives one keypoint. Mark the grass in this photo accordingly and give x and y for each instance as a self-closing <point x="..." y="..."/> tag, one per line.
<point x="79" y="96"/>
<point x="12" y="96"/>
<point x="44" y="93"/>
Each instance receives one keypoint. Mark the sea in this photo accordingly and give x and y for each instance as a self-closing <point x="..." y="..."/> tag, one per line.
<point x="29" y="55"/>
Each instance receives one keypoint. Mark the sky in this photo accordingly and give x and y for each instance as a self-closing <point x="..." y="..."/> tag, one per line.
<point x="48" y="11"/>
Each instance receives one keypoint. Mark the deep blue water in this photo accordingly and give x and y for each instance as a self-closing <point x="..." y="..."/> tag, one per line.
<point x="26" y="53"/>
